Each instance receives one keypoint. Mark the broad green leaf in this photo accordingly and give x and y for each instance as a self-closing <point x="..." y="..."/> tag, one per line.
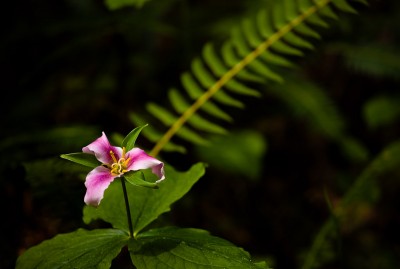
<point x="137" y="178"/>
<point x="187" y="248"/>
<point x="85" y="159"/>
<point x="146" y="204"/>
<point x="79" y="249"/>
<point x="116" y="4"/>
<point x="130" y="139"/>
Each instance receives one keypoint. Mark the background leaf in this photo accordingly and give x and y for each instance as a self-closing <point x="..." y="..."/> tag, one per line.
<point x="146" y="204"/>
<point x="382" y="111"/>
<point x="116" y="4"/>
<point x="237" y="153"/>
<point x="179" y="248"/>
<point x="350" y="211"/>
<point x="79" y="249"/>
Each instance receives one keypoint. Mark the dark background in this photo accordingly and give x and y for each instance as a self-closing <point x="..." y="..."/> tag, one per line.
<point x="71" y="69"/>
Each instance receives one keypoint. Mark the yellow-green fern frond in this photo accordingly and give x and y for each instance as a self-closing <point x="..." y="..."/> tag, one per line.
<point x="256" y="53"/>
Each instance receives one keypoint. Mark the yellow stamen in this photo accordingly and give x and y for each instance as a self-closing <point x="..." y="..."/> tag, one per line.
<point x="113" y="156"/>
<point x="119" y="166"/>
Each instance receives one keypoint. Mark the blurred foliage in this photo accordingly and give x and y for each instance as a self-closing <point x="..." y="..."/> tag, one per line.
<point x="74" y="68"/>
<point x="239" y="153"/>
<point x="115" y="4"/>
<point x="354" y="208"/>
<point x="382" y="110"/>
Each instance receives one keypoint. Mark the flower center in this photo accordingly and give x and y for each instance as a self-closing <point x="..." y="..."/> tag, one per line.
<point x="120" y="166"/>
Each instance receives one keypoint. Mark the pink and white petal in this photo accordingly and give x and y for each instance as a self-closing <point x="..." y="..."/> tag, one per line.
<point x="101" y="148"/>
<point x="159" y="171"/>
<point x="140" y="160"/>
<point x="97" y="181"/>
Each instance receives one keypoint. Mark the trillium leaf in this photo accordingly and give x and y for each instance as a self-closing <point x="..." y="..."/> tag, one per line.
<point x="185" y="248"/>
<point x="85" y="159"/>
<point x="138" y="179"/>
<point x="79" y="249"/>
<point x="146" y="204"/>
<point x="130" y="139"/>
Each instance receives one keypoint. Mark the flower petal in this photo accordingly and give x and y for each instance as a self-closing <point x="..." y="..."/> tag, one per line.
<point x="97" y="181"/>
<point x="101" y="148"/>
<point x="140" y="160"/>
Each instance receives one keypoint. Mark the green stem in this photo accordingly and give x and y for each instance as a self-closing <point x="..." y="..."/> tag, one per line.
<point x="128" y="211"/>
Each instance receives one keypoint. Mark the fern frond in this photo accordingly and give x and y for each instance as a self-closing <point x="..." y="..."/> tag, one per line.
<point x="256" y="52"/>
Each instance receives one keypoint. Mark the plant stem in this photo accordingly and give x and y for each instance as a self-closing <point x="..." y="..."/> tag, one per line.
<point x="128" y="211"/>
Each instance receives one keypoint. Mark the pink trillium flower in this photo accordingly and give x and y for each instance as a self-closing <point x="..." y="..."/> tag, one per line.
<point x="115" y="162"/>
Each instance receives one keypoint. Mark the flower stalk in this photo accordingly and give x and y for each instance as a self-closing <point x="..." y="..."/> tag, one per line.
<point x="128" y="210"/>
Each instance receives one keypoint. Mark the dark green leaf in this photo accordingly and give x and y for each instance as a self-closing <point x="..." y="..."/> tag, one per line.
<point x="177" y="248"/>
<point x="79" y="249"/>
<point x="146" y="204"/>
<point x="85" y="159"/>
